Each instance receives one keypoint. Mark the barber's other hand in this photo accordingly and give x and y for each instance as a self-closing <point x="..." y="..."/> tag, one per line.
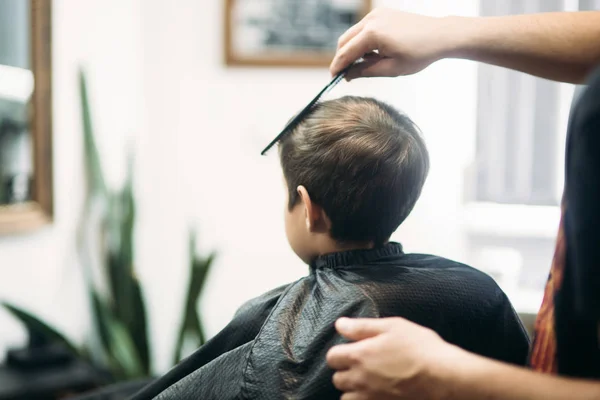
<point x="405" y="43"/>
<point x="392" y="358"/>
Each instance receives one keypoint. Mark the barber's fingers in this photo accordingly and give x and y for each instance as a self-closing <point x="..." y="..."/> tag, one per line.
<point x="354" y="396"/>
<point x="343" y="356"/>
<point x="347" y="380"/>
<point x="362" y="43"/>
<point x="373" y="66"/>
<point x="364" y="328"/>
<point x="350" y="33"/>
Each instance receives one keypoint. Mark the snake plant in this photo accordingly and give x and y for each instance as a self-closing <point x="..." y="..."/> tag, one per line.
<point x="118" y="311"/>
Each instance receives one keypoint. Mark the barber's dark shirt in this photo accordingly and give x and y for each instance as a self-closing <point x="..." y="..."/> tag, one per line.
<point x="566" y="340"/>
<point x="275" y="346"/>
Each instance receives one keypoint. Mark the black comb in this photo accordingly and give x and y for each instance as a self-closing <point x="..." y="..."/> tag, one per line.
<point x="300" y="116"/>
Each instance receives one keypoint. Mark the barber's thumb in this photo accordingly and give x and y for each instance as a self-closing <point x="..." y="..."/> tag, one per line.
<point x="362" y="328"/>
<point x="373" y="67"/>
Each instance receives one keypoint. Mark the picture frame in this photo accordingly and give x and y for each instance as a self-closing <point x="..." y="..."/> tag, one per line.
<point x="38" y="211"/>
<point x="287" y="33"/>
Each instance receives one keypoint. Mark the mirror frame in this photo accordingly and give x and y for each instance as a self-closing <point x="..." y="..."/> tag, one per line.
<point x="39" y="211"/>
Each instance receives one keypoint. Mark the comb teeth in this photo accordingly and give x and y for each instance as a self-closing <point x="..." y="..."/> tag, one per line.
<point x="300" y="116"/>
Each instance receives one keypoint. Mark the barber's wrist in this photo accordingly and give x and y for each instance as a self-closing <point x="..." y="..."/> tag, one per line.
<point x="450" y="375"/>
<point x="461" y="36"/>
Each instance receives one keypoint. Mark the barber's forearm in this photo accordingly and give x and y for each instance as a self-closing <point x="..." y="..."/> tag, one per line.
<point x="559" y="46"/>
<point x="483" y="379"/>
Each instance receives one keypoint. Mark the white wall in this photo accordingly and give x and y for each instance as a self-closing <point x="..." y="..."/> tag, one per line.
<point x="157" y="74"/>
<point x="40" y="270"/>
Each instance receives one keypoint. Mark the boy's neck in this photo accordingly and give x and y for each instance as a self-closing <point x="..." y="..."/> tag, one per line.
<point x="329" y="245"/>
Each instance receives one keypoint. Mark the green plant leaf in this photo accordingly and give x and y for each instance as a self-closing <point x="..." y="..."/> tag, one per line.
<point x="93" y="165"/>
<point x="37" y="326"/>
<point x="121" y="255"/>
<point x="123" y="349"/>
<point x="128" y="211"/>
<point x="200" y="269"/>
<point x="118" y="267"/>
<point x="128" y="302"/>
<point x="179" y="345"/>
<point x="120" y="316"/>
<point x="128" y="307"/>
<point x="191" y="326"/>
<point x="102" y="319"/>
<point x="138" y="327"/>
<point x="119" y="347"/>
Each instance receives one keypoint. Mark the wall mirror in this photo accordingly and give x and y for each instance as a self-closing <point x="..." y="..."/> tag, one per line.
<point x="25" y="115"/>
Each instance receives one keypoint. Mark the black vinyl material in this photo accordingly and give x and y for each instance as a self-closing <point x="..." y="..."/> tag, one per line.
<point x="275" y="346"/>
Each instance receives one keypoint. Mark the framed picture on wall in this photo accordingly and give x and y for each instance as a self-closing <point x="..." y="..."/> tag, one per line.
<point x="287" y="32"/>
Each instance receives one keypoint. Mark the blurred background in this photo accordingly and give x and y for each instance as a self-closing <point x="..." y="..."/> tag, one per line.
<point x="182" y="96"/>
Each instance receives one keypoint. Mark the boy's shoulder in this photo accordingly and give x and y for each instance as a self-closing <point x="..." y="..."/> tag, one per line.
<point x="458" y="278"/>
<point x="426" y="282"/>
<point x="431" y="269"/>
<point x="443" y="267"/>
<point x="263" y="303"/>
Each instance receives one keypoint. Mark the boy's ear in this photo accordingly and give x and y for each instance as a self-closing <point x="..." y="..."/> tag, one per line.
<point x="314" y="215"/>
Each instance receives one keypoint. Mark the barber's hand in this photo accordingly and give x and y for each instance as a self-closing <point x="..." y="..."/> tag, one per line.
<point x="405" y="43"/>
<point x="392" y="359"/>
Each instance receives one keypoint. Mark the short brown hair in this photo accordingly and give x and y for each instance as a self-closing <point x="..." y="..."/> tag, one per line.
<point x="361" y="160"/>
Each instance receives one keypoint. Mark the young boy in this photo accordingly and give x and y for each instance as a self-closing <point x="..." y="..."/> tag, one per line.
<point x="354" y="168"/>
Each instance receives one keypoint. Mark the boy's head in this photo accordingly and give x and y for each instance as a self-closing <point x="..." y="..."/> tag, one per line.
<point x="354" y="168"/>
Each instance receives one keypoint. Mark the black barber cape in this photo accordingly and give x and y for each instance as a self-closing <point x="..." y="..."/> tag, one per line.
<point x="275" y="346"/>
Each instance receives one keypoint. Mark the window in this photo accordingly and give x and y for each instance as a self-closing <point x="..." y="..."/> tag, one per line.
<point x="517" y="126"/>
<point x="586" y="5"/>
<point x="512" y="212"/>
